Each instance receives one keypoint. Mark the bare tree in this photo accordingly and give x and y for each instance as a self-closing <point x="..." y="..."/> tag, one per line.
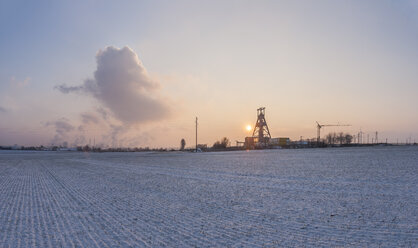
<point x="348" y="138"/>
<point x="223" y="143"/>
<point x="342" y="138"/>
<point x="328" y="138"/>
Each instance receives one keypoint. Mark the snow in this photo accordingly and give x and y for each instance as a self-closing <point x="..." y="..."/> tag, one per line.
<point x="310" y="197"/>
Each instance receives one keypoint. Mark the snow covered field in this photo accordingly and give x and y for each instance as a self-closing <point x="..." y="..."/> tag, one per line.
<point x="311" y="197"/>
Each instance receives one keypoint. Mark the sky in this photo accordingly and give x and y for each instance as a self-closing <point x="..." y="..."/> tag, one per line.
<point x="137" y="73"/>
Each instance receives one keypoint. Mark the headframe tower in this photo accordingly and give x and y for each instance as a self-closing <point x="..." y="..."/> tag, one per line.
<point x="261" y="130"/>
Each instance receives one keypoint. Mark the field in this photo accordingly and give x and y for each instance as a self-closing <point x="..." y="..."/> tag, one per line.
<point x="364" y="197"/>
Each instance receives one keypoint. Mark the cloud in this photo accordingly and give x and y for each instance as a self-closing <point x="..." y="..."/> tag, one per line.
<point x="122" y="135"/>
<point x="62" y="130"/>
<point x="94" y="127"/>
<point x="87" y="118"/>
<point x="20" y="83"/>
<point x="67" y="89"/>
<point x="102" y="112"/>
<point x="2" y="110"/>
<point x="122" y="84"/>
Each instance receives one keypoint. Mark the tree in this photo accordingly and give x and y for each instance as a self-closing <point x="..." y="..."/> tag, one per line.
<point x="342" y="138"/>
<point x="223" y="143"/>
<point x="182" y="144"/>
<point x="348" y="138"/>
<point x="329" y="139"/>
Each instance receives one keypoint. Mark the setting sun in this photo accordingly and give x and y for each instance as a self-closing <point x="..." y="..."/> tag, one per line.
<point x="248" y="127"/>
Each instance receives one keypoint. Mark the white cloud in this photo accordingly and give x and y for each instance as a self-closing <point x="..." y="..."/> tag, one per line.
<point x="122" y="84"/>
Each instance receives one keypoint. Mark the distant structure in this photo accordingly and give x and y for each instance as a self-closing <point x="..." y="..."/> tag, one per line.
<point x="196" y="134"/>
<point x="261" y="130"/>
<point x="261" y="137"/>
<point x="319" y="126"/>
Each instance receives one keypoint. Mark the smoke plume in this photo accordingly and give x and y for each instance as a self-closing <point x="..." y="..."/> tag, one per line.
<point x="62" y="130"/>
<point x="122" y="85"/>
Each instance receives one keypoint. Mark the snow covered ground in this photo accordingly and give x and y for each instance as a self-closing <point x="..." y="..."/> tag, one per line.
<point x="312" y="197"/>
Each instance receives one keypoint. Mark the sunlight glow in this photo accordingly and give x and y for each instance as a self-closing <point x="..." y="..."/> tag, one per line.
<point x="248" y="128"/>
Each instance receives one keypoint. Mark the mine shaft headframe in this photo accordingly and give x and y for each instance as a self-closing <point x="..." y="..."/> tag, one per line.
<point x="261" y="130"/>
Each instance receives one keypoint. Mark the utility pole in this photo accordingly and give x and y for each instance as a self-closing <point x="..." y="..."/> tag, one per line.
<point x="196" y="133"/>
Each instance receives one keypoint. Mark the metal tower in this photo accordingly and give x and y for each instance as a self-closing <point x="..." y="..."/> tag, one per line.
<point x="261" y="130"/>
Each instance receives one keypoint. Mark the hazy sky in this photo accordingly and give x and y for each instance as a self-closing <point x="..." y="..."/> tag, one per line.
<point x="136" y="73"/>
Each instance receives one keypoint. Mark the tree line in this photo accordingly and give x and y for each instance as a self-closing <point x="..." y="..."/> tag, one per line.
<point x="339" y="138"/>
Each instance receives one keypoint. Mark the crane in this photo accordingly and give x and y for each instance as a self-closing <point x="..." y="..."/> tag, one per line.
<point x="319" y="126"/>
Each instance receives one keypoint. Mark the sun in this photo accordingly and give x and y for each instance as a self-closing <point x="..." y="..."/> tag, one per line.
<point x="248" y="127"/>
